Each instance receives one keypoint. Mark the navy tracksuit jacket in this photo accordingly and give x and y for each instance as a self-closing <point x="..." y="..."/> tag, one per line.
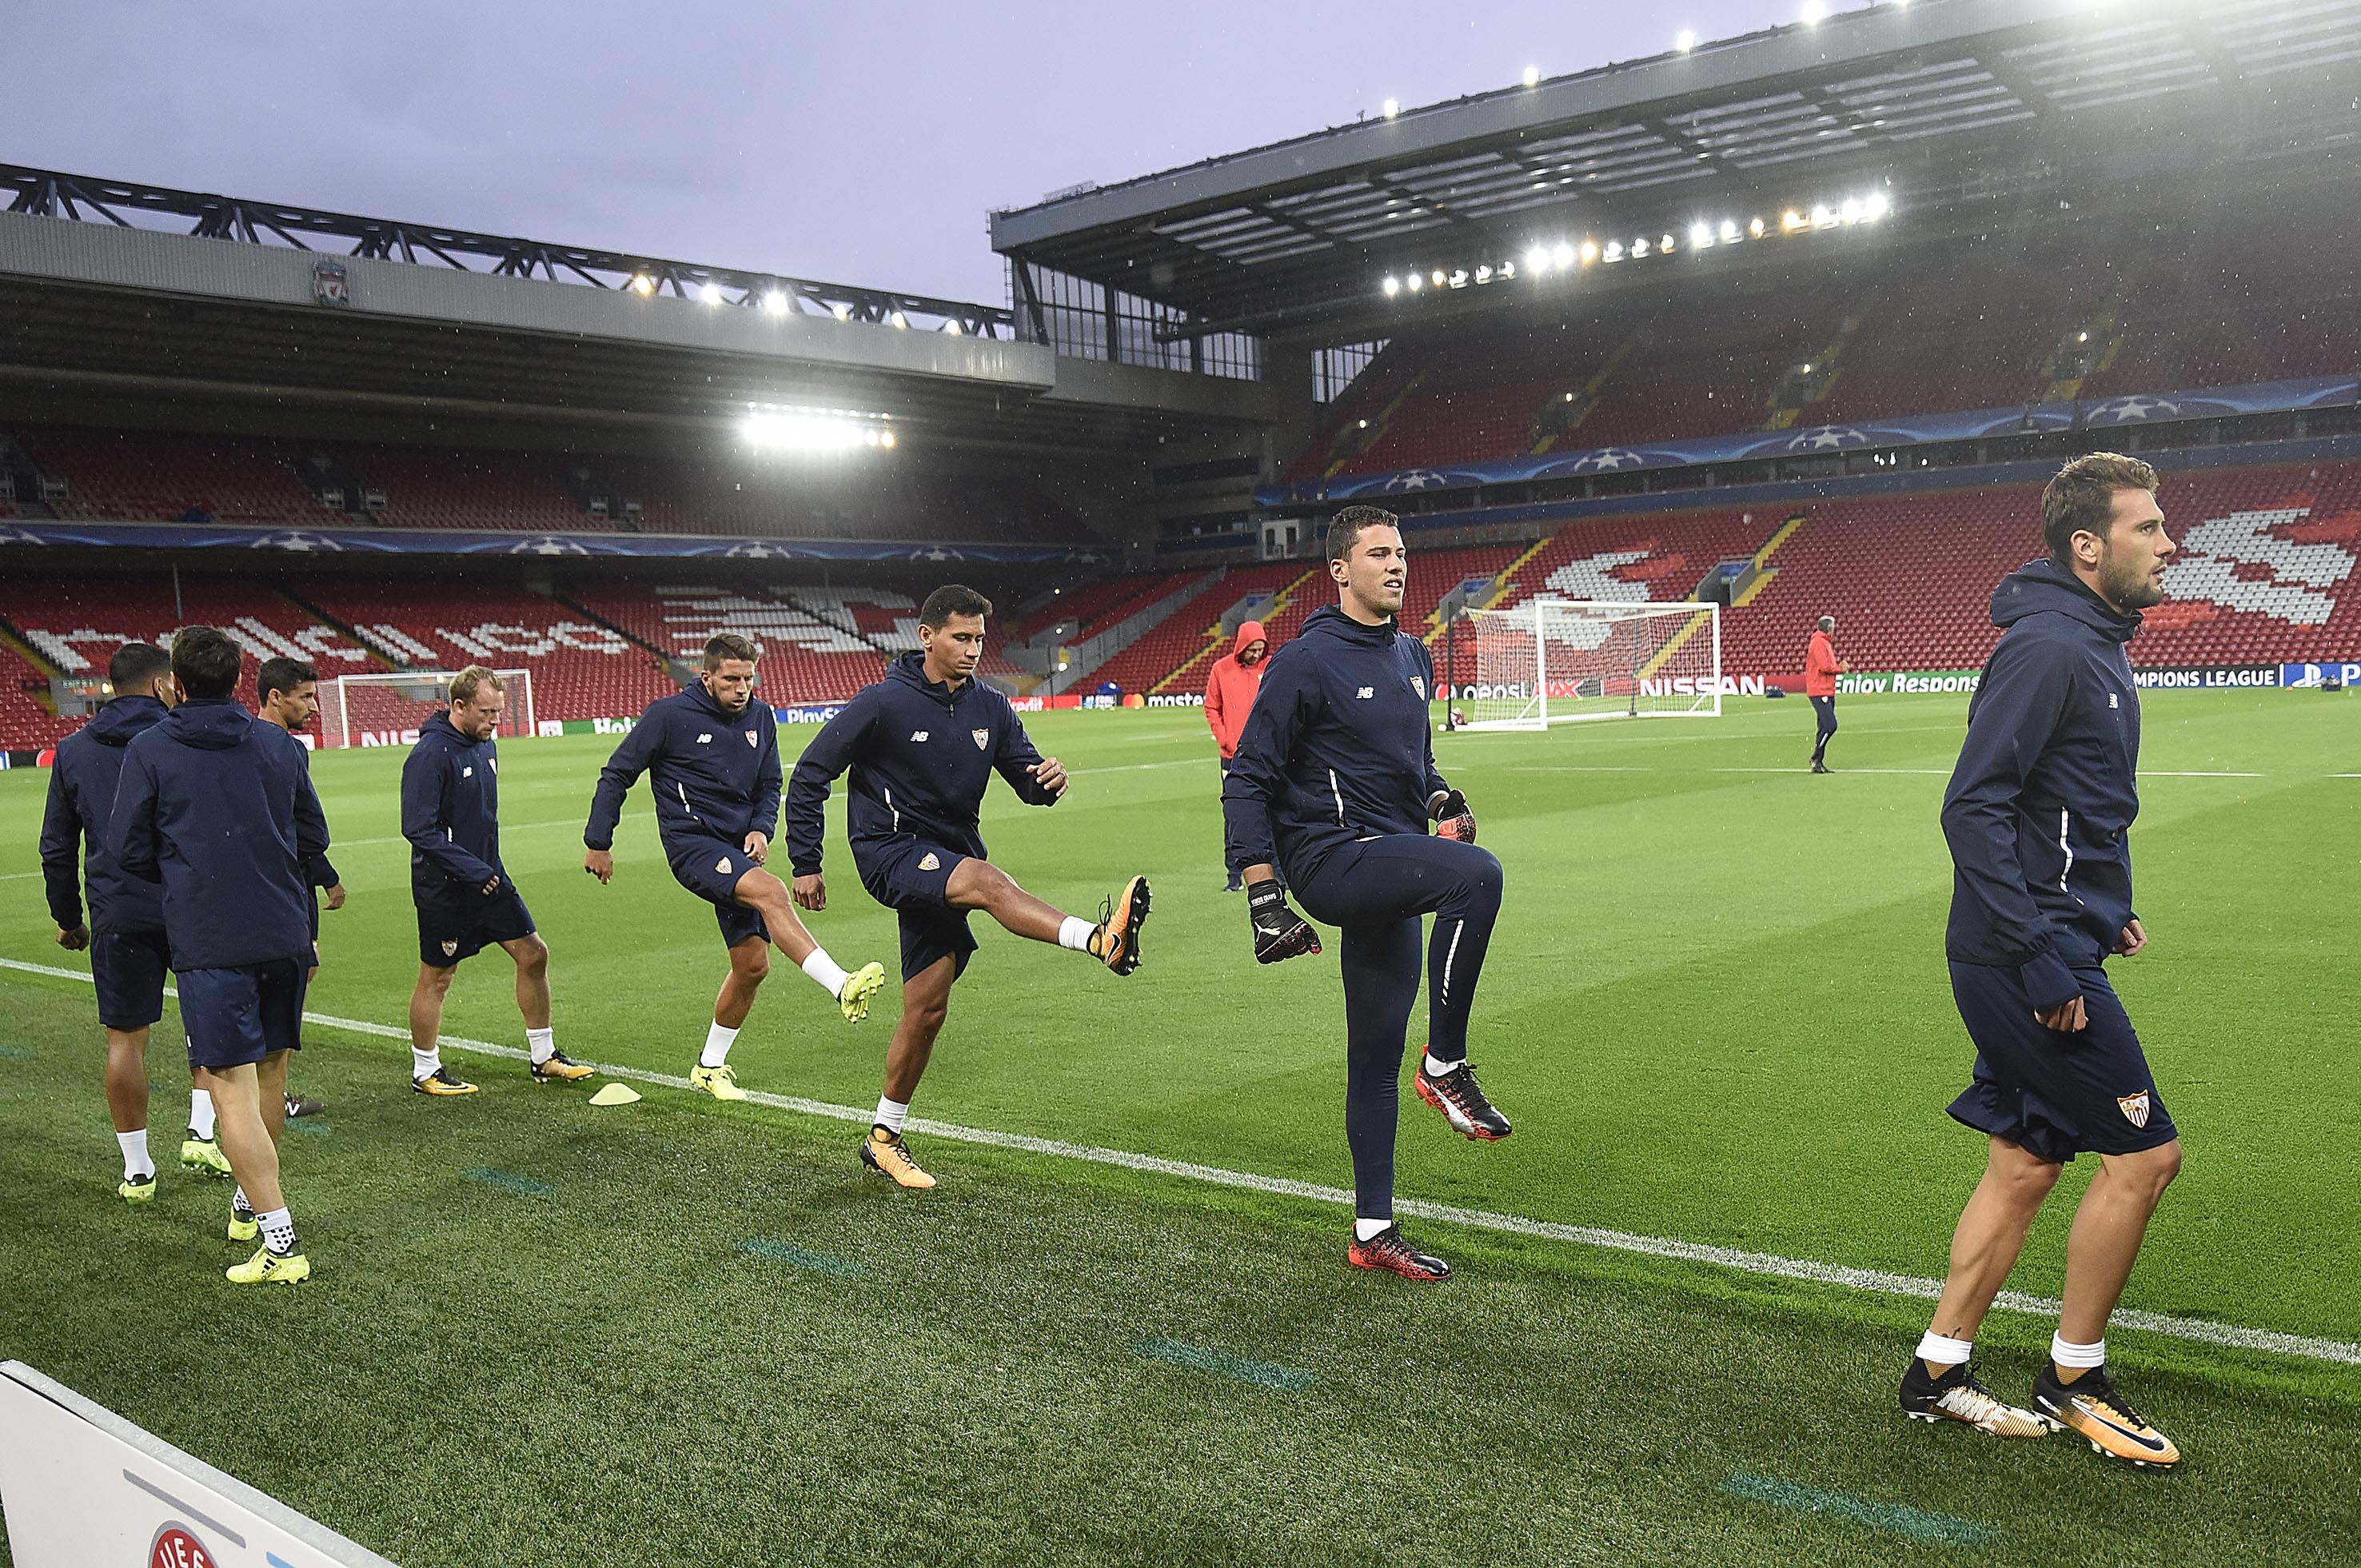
<point x="2045" y="788"/>
<point x="715" y="774"/>
<point x="82" y="781"/>
<point x="451" y="811"/>
<point x="921" y="756"/>
<point x="217" y="805"/>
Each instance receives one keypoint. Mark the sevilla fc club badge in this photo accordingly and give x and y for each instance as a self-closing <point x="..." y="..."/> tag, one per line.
<point x="2134" y="1107"/>
<point x="176" y="1548"/>
<point x="1418" y="685"/>
<point x="929" y="862"/>
<point x="450" y="949"/>
<point x="981" y="737"/>
<point x="752" y="740"/>
<point x="723" y="865"/>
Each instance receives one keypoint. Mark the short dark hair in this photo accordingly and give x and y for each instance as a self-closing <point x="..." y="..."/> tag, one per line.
<point x="950" y="599"/>
<point x="2081" y="499"/>
<point x="205" y="662"/>
<point x="137" y="664"/>
<point x="1346" y="528"/>
<point x="283" y="675"/>
<point x="725" y="645"/>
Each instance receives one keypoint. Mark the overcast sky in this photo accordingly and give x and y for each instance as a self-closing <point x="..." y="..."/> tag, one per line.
<point x="855" y="143"/>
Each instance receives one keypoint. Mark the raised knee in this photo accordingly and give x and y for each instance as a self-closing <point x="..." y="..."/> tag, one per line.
<point x="2158" y="1167"/>
<point x="536" y="956"/>
<point x="1486" y="876"/>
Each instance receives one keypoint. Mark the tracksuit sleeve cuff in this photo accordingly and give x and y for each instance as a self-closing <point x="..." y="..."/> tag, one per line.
<point x="2047" y="981"/>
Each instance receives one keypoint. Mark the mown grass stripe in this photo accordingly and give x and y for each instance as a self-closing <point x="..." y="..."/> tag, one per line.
<point x="1266" y="1373"/>
<point x="310" y="1127"/>
<point x="2202" y="1331"/>
<point x="817" y="1262"/>
<point x="1892" y="1518"/>
<point x="13" y="1051"/>
<point x="510" y="1181"/>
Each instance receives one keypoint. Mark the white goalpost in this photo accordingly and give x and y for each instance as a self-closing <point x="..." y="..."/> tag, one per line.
<point x="1552" y="661"/>
<point x="386" y="709"/>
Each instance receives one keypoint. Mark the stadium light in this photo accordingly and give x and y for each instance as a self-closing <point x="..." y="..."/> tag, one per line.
<point x="1537" y="258"/>
<point x="1730" y="230"/>
<point x="775" y="302"/>
<point x="1700" y="235"/>
<point x="1589" y="252"/>
<point x="1755" y="228"/>
<point x="1686" y="40"/>
<point x="1416" y="282"/>
<point x="951" y="327"/>
<point x="1878" y="205"/>
<point x="1563" y="256"/>
<point x="642" y="285"/>
<point x="1393" y="286"/>
<point x="1807" y="369"/>
<point x="1483" y="274"/>
<point x="1813" y="12"/>
<point x="840" y="311"/>
<point x="1532" y="75"/>
<point x="1639" y="246"/>
<point x="1393" y="107"/>
<point x="1665" y="245"/>
<point x="777" y="428"/>
<point x="898" y="319"/>
<point x="710" y="293"/>
<point x="1790" y="220"/>
<point x="1437" y="277"/>
<point x="1614" y="250"/>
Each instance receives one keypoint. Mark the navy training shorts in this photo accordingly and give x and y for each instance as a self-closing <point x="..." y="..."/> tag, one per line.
<point x="460" y="924"/>
<point x="2050" y="1091"/>
<point x="711" y="867"/>
<point x="128" y="969"/>
<point x="235" y="1016"/>
<point x="912" y="877"/>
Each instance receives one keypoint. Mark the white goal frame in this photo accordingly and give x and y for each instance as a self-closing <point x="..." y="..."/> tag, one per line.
<point x="1532" y="620"/>
<point x="336" y="719"/>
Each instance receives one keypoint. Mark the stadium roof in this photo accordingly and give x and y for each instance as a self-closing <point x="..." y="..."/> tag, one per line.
<point x="1937" y="103"/>
<point x="157" y="300"/>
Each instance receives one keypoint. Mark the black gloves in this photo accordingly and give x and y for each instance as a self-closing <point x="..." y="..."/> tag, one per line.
<point x="1279" y="933"/>
<point x="1453" y="819"/>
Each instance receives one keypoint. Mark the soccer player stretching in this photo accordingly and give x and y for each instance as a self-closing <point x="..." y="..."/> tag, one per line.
<point x="2036" y="812"/>
<point x="922" y="745"/>
<point x="713" y="752"/>
<point x="129" y="954"/>
<point x="451" y="814"/>
<point x="217" y="805"/>
<point x="1334" y="781"/>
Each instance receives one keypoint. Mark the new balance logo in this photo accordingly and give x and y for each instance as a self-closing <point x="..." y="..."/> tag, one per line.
<point x="2113" y="701"/>
<point x="918" y="734"/>
<point x="1366" y="692"/>
<point x="704" y="739"/>
<point x="466" y="772"/>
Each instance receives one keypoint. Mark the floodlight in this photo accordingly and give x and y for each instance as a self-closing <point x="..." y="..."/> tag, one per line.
<point x="898" y="319"/>
<point x="1878" y="204"/>
<point x="840" y="311"/>
<point x="1364" y="424"/>
<point x="1755" y="228"/>
<point x="710" y="293"/>
<point x="1508" y="269"/>
<point x="1813" y="11"/>
<point x="1563" y="256"/>
<point x="1393" y="107"/>
<point x="2081" y="337"/>
<point x="775" y="302"/>
<point x="1459" y="279"/>
<point x="1823" y="218"/>
<point x="1686" y="40"/>
<point x="1851" y="211"/>
<point x="1700" y="235"/>
<point x="1437" y="277"/>
<point x="1589" y="251"/>
<point x="642" y="285"/>
<point x="1532" y="75"/>
<point x="1791" y="219"/>
<point x="805" y="430"/>
<point x="951" y="327"/>
<point x="1538" y="258"/>
<point x="1416" y="282"/>
<point x="1808" y="369"/>
<point x="1483" y="274"/>
<point x="1665" y="245"/>
<point x="1614" y="250"/>
<point x="1640" y="247"/>
<point x="1730" y="231"/>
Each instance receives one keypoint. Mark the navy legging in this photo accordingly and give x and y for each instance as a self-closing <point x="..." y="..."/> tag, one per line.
<point x="1375" y="890"/>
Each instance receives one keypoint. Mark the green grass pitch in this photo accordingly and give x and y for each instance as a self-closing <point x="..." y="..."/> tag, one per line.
<point x="683" y="1334"/>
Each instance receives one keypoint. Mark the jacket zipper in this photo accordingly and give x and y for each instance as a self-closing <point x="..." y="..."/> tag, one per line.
<point x="1339" y="794"/>
<point x="2065" y="849"/>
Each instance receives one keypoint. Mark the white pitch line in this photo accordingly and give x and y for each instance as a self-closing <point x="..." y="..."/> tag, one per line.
<point x="2235" y="1336"/>
<point x="2167" y="773"/>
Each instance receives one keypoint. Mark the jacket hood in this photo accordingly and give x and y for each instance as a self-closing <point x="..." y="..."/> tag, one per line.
<point x="2044" y="587"/>
<point x="694" y="691"/>
<point x="123" y="718"/>
<point x="440" y="724"/>
<point x="910" y="668"/>
<point x="1249" y="631"/>
<point x="209" y="723"/>
<point x="1329" y="620"/>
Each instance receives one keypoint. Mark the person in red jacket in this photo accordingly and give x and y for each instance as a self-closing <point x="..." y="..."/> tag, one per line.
<point x="1821" y="668"/>
<point x="1230" y="690"/>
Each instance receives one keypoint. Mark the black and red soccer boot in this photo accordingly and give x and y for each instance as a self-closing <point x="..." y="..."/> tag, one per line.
<point x="1387" y="1250"/>
<point x="1461" y="1099"/>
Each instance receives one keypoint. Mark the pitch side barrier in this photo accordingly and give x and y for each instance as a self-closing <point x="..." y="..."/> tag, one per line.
<point x="80" y="1486"/>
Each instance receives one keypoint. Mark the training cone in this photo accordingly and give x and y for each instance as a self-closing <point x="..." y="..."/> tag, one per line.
<point x="616" y="1094"/>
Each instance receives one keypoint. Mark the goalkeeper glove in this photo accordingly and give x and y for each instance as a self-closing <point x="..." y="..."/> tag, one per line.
<point x="1453" y="819"/>
<point x="1279" y="933"/>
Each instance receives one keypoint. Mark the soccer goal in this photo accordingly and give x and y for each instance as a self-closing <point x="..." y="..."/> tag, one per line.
<point x="387" y="707"/>
<point x="1552" y="661"/>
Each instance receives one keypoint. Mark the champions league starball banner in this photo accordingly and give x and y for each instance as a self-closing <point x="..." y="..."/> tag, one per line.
<point x="336" y="540"/>
<point x="1759" y="445"/>
<point x="82" y="1487"/>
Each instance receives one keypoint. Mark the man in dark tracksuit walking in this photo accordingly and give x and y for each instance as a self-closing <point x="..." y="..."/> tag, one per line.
<point x="217" y="805"/>
<point x="922" y="745"/>
<point x="712" y="751"/>
<point x="128" y="955"/>
<point x="465" y="899"/>
<point x="1334" y="783"/>
<point x="2036" y="816"/>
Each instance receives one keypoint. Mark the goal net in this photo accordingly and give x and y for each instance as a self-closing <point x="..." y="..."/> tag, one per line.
<point x="1552" y="661"/>
<point x="387" y="707"/>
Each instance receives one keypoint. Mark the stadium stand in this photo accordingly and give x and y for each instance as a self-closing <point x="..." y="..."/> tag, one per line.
<point x="806" y="659"/>
<point x="145" y="478"/>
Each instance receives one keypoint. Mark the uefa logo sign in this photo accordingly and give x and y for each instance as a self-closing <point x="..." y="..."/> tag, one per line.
<point x="176" y="1547"/>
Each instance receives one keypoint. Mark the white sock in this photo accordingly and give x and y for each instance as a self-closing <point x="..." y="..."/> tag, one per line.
<point x="718" y="1041"/>
<point x="1436" y="1067"/>
<point x="1936" y="1350"/>
<point x="200" y="1115"/>
<point x="239" y="1203"/>
<point x="826" y="972"/>
<point x="1075" y="933"/>
<point x="2066" y="1353"/>
<point x="135" y="1153"/>
<point x="425" y="1064"/>
<point x="892" y="1113"/>
<point x="277" y="1232"/>
<point x="544" y="1045"/>
<point x="1366" y="1230"/>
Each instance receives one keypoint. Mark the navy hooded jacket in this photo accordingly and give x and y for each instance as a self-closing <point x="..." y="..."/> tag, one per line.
<point x="1339" y="746"/>
<point x="715" y="774"/>
<point x="921" y="755"/>
<point x="2045" y="788"/>
<point x="451" y="811"/>
<point x="82" y="799"/>
<point x="218" y="806"/>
